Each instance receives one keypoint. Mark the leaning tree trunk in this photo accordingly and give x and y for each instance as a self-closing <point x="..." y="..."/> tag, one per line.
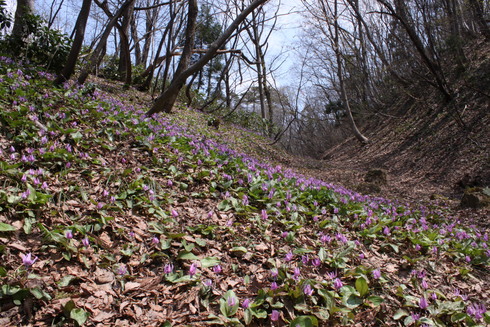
<point x="167" y="99"/>
<point x="81" y="23"/>
<point x="95" y="56"/>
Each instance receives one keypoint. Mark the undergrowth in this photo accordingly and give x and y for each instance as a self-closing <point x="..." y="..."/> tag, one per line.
<point x="108" y="216"/>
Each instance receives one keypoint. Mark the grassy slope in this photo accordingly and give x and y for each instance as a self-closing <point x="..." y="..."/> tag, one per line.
<point x="130" y="217"/>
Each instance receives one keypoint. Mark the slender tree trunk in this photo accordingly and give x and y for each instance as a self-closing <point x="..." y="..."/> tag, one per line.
<point x="173" y="90"/>
<point x="479" y="17"/>
<point x="401" y="14"/>
<point x="81" y="23"/>
<point x="95" y="56"/>
<point x="124" y="52"/>
<point x="137" y="49"/>
<point x="167" y="99"/>
<point x="345" y="100"/>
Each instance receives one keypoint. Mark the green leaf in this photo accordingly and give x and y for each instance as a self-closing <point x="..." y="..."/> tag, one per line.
<point x="224" y="205"/>
<point x="304" y="321"/>
<point x="186" y="255"/>
<point x="65" y="281"/>
<point x="239" y="249"/>
<point x="362" y="286"/>
<point x="40" y="294"/>
<point x="247" y="316"/>
<point x="225" y="308"/>
<point x="351" y="301"/>
<point x="6" y="228"/>
<point x="209" y="262"/>
<point x="400" y="314"/>
<point x="79" y="315"/>
<point x="376" y="300"/>
<point x="322" y="254"/>
<point x="457" y="317"/>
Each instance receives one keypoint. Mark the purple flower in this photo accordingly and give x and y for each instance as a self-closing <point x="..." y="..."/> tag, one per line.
<point x="417" y="247"/>
<point x="86" y="242"/>
<point x="476" y="310"/>
<point x="337" y="284"/>
<point x="192" y="269"/>
<point x="275" y="315"/>
<point x="284" y="234"/>
<point x="332" y="275"/>
<point x="296" y="273"/>
<point x="246" y="303"/>
<point x="168" y="269"/>
<point x="69" y="234"/>
<point x="208" y="283"/>
<point x="424" y="284"/>
<point x="155" y="240"/>
<point x="423" y="304"/>
<point x="307" y="290"/>
<point x="316" y="262"/>
<point x="232" y="301"/>
<point x="27" y="260"/>
<point x="217" y="269"/>
<point x="325" y="238"/>
<point x="263" y="214"/>
<point x="288" y="257"/>
<point x="376" y="274"/>
<point x="274" y="286"/>
<point x="175" y="214"/>
<point x="274" y="273"/>
<point x="122" y="270"/>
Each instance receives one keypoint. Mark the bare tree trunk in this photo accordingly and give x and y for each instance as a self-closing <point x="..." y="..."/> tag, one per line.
<point x="24" y="8"/>
<point x="71" y="61"/>
<point x="124" y="53"/>
<point x="479" y="17"/>
<point x="361" y="138"/>
<point x="401" y="14"/>
<point x="95" y="56"/>
<point x="137" y="49"/>
<point x="167" y="99"/>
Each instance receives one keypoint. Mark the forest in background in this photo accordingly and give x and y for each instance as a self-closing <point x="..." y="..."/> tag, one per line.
<point x="356" y="62"/>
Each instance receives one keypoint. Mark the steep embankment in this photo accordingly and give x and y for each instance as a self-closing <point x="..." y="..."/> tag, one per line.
<point x="422" y="144"/>
<point x="110" y="218"/>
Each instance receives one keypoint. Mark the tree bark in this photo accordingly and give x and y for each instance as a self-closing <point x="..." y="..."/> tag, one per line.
<point x="95" y="56"/>
<point x="81" y="23"/>
<point x="401" y="14"/>
<point x="124" y="52"/>
<point x="24" y="8"/>
<point x="345" y="100"/>
<point x="167" y="99"/>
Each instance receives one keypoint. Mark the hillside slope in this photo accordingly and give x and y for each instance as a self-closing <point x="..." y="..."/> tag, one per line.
<point x="421" y="144"/>
<point x="111" y="218"/>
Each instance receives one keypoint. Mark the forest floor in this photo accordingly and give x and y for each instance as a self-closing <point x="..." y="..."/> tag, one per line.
<point x="109" y="218"/>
